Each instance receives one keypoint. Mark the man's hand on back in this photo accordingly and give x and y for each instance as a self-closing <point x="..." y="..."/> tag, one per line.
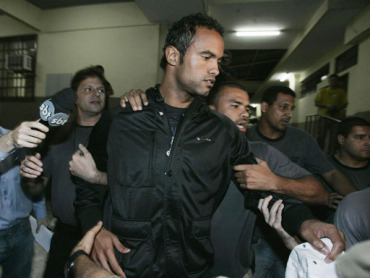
<point x="136" y="98"/>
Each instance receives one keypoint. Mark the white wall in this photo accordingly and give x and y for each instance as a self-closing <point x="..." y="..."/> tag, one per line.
<point x="12" y="27"/>
<point x="117" y="36"/>
<point x="128" y="54"/>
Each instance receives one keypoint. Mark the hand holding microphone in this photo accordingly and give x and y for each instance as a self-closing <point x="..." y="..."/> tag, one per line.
<point x="54" y="112"/>
<point x="26" y="135"/>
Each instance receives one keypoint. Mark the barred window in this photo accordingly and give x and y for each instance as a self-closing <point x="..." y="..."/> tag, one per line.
<point x="310" y="83"/>
<point x="17" y="67"/>
<point x="346" y="59"/>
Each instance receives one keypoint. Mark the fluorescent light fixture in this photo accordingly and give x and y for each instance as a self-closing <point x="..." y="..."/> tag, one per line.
<point x="324" y="77"/>
<point x="264" y="33"/>
<point x="284" y="77"/>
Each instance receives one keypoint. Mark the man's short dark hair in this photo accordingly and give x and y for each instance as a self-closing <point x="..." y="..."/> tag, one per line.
<point x="101" y="68"/>
<point x="82" y="74"/>
<point x="182" y="32"/>
<point x="214" y="95"/>
<point x="345" y="127"/>
<point x="270" y="95"/>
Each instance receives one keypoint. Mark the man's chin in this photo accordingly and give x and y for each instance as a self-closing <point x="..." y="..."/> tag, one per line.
<point x="282" y="127"/>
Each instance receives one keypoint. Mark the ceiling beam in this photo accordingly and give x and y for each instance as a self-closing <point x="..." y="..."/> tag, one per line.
<point x="23" y="11"/>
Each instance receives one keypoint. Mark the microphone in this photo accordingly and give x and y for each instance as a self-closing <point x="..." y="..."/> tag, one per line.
<point x="55" y="111"/>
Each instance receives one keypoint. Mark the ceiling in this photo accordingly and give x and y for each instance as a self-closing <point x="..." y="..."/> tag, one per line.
<point x="310" y="28"/>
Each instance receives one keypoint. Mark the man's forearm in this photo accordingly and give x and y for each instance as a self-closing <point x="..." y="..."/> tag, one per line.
<point x="307" y="189"/>
<point x="86" y="268"/>
<point x="339" y="182"/>
<point x="100" y="178"/>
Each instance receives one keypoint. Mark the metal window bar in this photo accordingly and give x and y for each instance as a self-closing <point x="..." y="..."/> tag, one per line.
<point x="311" y="125"/>
<point x="17" y="67"/>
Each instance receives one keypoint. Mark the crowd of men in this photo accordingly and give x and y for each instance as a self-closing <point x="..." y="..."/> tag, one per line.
<point x="172" y="180"/>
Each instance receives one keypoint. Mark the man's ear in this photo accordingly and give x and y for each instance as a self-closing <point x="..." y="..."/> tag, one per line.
<point x="212" y="107"/>
<point x="340" y="139"/>
<point x="264" y="106"/>
<point x="172" y="55"/>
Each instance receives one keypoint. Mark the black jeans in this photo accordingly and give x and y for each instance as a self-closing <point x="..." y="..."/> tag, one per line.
<point x="63" y="241"/>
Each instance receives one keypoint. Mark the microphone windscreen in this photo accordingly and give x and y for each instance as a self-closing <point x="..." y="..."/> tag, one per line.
<point x="65" y="100"/>
<point x="55" y="111"/>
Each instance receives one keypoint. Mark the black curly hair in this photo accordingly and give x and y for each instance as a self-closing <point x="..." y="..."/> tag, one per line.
<point x="182" y="32"/>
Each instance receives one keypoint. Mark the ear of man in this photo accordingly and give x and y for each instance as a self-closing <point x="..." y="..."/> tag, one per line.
<point x="264" y="106"/>
<point x="340" y="139"/>
<point x="212" y="107"/>
<point x="172" y="55"/>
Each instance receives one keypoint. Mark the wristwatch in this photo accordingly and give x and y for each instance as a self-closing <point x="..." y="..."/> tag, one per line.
<point x="68" y="268"/>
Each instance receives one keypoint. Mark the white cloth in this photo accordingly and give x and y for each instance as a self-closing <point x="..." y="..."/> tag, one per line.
<point x="306" y="262"/>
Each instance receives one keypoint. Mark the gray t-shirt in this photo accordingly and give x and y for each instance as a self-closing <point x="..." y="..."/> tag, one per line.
<point x="232" y="224"/>
<point x="299" y="146"/>
<point x="56" y="166"/>
<point x="360" y="177"/>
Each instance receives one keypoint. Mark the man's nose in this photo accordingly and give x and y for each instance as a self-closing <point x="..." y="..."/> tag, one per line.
<point x="290" y="113"/>
<point x="245" y="115"/>
<point x="214" y="69"/>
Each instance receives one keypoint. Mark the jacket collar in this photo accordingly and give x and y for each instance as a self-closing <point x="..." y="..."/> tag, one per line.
<point x="155" y="97"/>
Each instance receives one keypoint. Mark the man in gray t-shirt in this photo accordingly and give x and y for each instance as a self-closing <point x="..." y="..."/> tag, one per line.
<point x="232" y="224"/>
<point x="352" y="159"/>
<point x="277" y="105"/>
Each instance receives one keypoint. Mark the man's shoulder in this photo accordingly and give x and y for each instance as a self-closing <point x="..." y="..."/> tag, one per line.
<point x="325" y="89"/>
<point x="262" y="150"/>
<point x="258" y="147"/>
<point x="227" y="124"/>
<point x="265" y="151"/>
<point x="295" y="131"/>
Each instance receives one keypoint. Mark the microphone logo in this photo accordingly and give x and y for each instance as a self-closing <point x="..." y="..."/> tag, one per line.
<point x="47" y="111"/>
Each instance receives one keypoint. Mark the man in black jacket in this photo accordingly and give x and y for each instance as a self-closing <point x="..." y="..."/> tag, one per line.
<point x="169" y="166"/>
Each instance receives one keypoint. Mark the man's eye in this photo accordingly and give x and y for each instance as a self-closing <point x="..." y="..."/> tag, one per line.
<point x="234" y="105"/>
<point x="101" y="91"/>
<point x="206" y="57"/>
<point x="87" y="90"/>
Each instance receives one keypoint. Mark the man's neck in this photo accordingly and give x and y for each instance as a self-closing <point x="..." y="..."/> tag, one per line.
<point x="87" y="120"/>
<point x="267" y="131"/>
<point x="172" y="94"/>
<point x="349" y="160"/>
